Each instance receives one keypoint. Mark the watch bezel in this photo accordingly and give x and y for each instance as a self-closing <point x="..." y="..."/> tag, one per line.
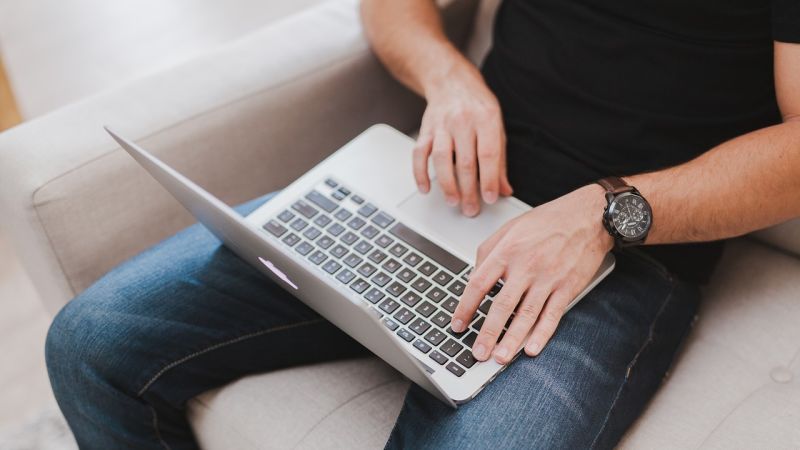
<point x="609" y="220"/>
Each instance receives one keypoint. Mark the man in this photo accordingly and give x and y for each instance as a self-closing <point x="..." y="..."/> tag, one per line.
<point x="573" y="91"/>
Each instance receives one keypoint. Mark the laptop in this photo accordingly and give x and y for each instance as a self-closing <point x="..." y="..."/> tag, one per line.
<point x="354" y="240"/>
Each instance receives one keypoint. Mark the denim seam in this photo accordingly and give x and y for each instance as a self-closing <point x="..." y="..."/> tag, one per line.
<point x="245" y="337"/>
<point x="633" y="362"/>
<point x="157" y="429"/>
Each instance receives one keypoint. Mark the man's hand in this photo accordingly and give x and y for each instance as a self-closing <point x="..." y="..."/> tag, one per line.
<point x="462" y="132"/>
<point x="546" y="257"/>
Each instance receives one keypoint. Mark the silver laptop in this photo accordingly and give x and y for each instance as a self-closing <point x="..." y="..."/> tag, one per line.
<point x="354" y="240"/>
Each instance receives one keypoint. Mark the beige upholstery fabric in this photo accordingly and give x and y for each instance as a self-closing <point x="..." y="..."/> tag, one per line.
<point x="75" y="205"/>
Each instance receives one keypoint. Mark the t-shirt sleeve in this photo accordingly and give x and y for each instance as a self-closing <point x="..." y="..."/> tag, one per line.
<point x="786" y="20"/>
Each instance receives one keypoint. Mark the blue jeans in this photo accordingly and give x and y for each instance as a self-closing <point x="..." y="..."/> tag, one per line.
<point x="186" y="316"/>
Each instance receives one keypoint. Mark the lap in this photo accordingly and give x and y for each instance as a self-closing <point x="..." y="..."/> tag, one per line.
<point x="586" y="387"/>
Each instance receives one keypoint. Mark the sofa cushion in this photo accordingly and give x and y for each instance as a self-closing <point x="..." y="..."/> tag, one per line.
<point x="740" y="360"/>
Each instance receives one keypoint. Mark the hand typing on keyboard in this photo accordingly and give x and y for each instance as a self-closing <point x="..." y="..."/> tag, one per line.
<point x="546" y="257"/>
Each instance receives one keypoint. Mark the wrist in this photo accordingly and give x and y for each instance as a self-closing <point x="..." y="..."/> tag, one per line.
<point x="450" y="71"/>
<point x="593" y="201"/>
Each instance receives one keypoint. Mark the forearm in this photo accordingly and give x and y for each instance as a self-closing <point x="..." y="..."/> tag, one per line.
<point x="409" y="39"/>
<point x="742" y="185"/>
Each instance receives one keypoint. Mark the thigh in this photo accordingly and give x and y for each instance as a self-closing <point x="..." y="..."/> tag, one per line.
<point x="589" y="383"/>
<point x="188" y="315"/>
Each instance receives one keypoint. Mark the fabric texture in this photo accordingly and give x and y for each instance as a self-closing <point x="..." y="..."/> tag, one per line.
<point x="188" y="315"/>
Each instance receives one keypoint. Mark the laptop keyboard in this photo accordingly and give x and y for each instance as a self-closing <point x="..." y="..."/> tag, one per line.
<point x="410" y="283"/>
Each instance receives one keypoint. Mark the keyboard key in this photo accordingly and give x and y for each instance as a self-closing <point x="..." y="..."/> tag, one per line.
<point x="406" y="275"/>
<point x="342" y="214"/>
<point x="352" y="260"/>
<point x="312" y="233"/>
<point x="420" y="345"/>
<point x="381" y="279"/>
<point x="484" y="308"/>
<point x="410" y="298"/>
<point x="377" y="256"/>
<point x="456" y="288"/>
<point x="335" y="229"/>
<point x="453" y="332"/>
<point x="359" y="285"/>
<point x="331" y="266"/>
<point x="398" y="250"/>
<point x="318" y="257"/>
<point x="450" y="304"/>
<point x="404" y="316"/>
<point x="357" y="199"/>
<point x="412" y="259"/>
<point x="344" y="191"/>
<point x="441" y="319"/>
<point x="286" y="216"/>
<point x="421" y="284"/>
<point x="349" y="237"/>
<point x="495" y="289"/>
<point x="442" y="278"/>
<point x="405" y="334"/>
<point x="367" y="210"/>
<point x="392" y="265"/>
<point x="390" y="324"/>
<point x="382" y="219"/>
<point x="389" y="306"/>
<point x="435" y="337"/>
<point x="383" y="241"/>
<point x="339" y="251"/>
<point x="455" y="369"/>
<point x="374" y="295"/>
<point x="304" y="248"/>
<point x="396" y="289"/>
<point x="438" y="357"/>
<point x="369" y="232"/>
<point x="451" y="347"/>
<point x="363" y="247"/>
<point x="419" y="326"/>
<point x="338" y="195"/>
<point x="426" y="309"/>
<point x="321" y="201"/>
<point x="331" y="183"/>
<point x="466" y="359"/>
<point x="427" y="268"/>
<point x="465" y="275"/>
<point x="325" y="242"/>
<point x="299" y="224"/>
<point x="275" y="228"/>
<point x="478" y="323"/>
<point x="469" y="339"/>
<point x="428" y="248"/>
<point x="304" y="209"/>
<point x="356" y="223"/>
<point x="436" y="294"/>
<point x="345" y="276"/>
<point x="367" y="269"/>
<point x="322" y="220"/>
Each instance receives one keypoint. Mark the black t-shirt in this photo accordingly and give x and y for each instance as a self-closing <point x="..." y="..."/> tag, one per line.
<point x="592" y="88"/>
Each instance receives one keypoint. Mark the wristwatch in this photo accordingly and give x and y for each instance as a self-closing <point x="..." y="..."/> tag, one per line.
<point x="627" y="217"/>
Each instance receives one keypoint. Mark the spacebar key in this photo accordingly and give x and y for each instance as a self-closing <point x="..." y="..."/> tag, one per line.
<point x="428" y="248"/>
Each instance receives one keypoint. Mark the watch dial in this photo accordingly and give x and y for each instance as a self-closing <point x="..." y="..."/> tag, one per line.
<point x="631" y="216"/>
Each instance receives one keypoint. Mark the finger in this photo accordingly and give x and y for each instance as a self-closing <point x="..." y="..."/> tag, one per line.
<point x="526" y="315"/>
<point x="480" y="281"/>
<point x="442" y="154"/>
<point x="490" y="161"/>
<point x="422" y="151"/>
<point x="502" y="307"/>
<point x="505" y="186"/>
<point x="467" y="171"/>
<point x="548" y="321"/>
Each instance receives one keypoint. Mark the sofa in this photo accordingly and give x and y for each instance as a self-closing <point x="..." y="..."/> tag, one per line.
<point x="246" y="116"/>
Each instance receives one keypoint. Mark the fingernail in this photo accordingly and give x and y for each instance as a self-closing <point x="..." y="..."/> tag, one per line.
<point x="501" y="353"/>
<point x="452" y="201"/>
<point x="479" y="351"/>
<point x="533" y="348"/>
<point x="458" y="325"/>
<point x="422" y="188"/>
<point x="470" y="210"/>
<point x="490" y="197"/>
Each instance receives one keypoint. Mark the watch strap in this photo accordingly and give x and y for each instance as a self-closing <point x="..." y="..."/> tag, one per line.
<point x="615" y="185"/>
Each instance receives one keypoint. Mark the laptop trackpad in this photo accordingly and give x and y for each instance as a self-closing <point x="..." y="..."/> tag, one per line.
<point x="429" y="214"/>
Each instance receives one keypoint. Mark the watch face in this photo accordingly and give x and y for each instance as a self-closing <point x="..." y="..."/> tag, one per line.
<point x="631" y="216"/>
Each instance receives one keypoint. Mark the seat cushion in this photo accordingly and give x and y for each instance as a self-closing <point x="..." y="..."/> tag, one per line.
<point x="736" y="384"/>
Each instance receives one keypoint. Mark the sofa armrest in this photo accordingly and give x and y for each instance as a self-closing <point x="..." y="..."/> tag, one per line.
<point x="241" y="120"/>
